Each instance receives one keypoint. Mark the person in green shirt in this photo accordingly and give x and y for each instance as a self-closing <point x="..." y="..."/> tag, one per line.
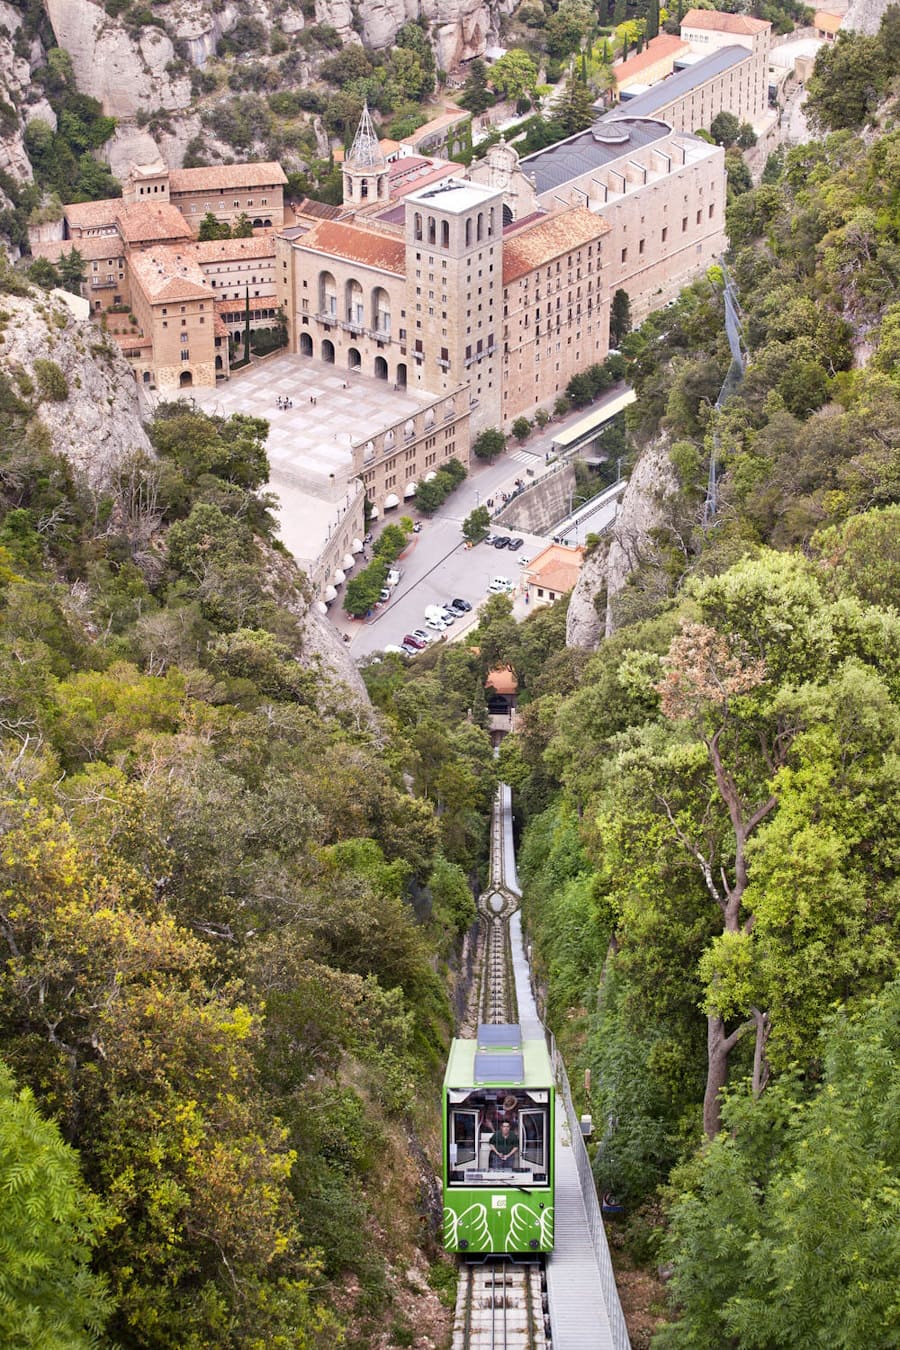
<point x="504" y="1147"/>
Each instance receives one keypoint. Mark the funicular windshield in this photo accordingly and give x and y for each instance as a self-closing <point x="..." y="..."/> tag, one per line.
<point x="497" y="1138"/>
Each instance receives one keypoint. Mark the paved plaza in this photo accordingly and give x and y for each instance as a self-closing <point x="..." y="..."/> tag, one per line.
<point x="309" y="444"/>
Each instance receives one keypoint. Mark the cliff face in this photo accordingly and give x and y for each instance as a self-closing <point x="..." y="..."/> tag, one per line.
<point x="132" y="70"/>
<point x="645" y="505"/>
<point x="90" y="408"/>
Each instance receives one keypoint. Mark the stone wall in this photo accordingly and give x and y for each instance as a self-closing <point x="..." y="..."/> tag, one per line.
<point x="540" y="506"/>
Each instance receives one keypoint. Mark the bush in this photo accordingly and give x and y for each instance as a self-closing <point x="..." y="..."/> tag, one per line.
<point x="521" y="429"/>
<point x="52" y="383"/>
<point x="489" y="444"/>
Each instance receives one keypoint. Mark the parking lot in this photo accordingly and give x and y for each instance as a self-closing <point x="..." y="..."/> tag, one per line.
<point x="438" y="567"/>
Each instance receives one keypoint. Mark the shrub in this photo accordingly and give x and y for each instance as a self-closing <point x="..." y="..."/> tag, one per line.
<point x="489" y="444"/>
<point x="52" y="383"/>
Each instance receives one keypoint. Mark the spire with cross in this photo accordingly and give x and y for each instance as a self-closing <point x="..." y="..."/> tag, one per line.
<point x="365" y="152"/>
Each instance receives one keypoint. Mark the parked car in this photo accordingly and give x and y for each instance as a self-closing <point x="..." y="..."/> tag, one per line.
<point x="424" y="635"/>
<point x="461" y="604"/>
<point x="417" y="527"/>
<point x="524" y="560"/>
<point x="394" y="650"/>
<point x="499" y="585"/>
<point x="514" y="544"/>
<point x="393" y="577"/>
<point x="436" y="623"/>
<point x="449" y="617"/>
<point x="456" y="610"/>
<point x="409" y="649"/>
<point x="502" y="541"/>
<point x="384" y="595"/>
<point x="491" y="540"/>
<point x="411" y="640"/>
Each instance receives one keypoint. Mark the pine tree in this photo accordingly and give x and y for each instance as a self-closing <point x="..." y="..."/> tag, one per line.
<point x="247" y="324"/>
<point x="619" y="318"/>
<point x="575" y="110"/>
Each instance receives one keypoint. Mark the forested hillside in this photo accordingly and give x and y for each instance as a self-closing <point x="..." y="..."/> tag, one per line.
<point x="224" y="922"/>
<point x="710" y="854"/>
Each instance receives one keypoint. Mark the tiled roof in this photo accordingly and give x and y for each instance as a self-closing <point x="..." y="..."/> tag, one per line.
<point x="220" y="327"/>
<point x="826" y="22"/>
<point x="418" y="171"/>
<point x="368" y="247"/>
<point x="657" y="49"/>
<point x="556" y="569"/>
<point x="230" y="250"/>
<point x="503" y="680"/>
<point x="318" y="210"/>
<point x="93" y="215"/>
<point x="141" y="222"/>
<point x="260" y="173"/>
<point x="129" y="340"/>
<point x="385" y="145"/>
<point x="535" y="245"/>
<point x="717" y="21"/>
<point x="169" y="274"/>
<point x="92" y="248"/>
<point x="448" y="118"/>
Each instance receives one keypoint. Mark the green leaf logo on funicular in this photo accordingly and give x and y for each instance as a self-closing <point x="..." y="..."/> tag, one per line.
<point x="471" y="1225"/>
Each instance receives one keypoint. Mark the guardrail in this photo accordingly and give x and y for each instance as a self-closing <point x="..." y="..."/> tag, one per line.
<point x="592" y="1206"/>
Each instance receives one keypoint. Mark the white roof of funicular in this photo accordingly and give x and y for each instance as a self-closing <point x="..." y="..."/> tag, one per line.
<point x="454" y="195"/>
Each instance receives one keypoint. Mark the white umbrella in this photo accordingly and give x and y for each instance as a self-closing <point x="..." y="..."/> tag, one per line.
<point x="409" y="490"/>
<point x="357" y="546"/>
<point x="391" y="500"/>
<point x="321" y="607"/>
<point x="429" y="477"/>
<point x="330" y="594"/>
<point x="339" y="577"/>
<point x="349" y="562"/>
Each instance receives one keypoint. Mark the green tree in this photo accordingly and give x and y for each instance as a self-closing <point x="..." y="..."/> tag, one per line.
<point x="242" y="227"/>
<point x="574" y="109"/>
<point x="724" y="128"/>
<point x="213" y="228"/>
<point x="71" y="271"/>
<point x="43" y="273"/>
<point x="514" y="75"/>
<point x="477" y="524"/>
<point x="619" y="318"/>
<point x="476" y="97"/>
<point x="795" y="1207"/>
<point x="521" y="429"/>
<point x="489" y="444"/>
<point x="847" y="82"/>
<point x="51" y="1222"/>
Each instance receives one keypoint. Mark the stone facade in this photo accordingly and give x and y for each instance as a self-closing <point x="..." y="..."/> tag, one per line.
<point x="391" y="462"/>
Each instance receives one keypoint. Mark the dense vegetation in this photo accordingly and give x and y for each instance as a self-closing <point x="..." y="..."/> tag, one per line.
<point x="711" y="806"/>
<point x="223" y="920"/>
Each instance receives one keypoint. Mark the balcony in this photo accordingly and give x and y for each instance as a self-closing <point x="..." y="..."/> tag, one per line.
<point x="354" y="326"/>
<point x="96" y="284"/>
<point x="329" y="320"/>
<point x="445" y="365"/>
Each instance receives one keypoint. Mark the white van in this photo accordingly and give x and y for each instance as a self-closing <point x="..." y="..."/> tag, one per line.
<point x="393" y="577"/>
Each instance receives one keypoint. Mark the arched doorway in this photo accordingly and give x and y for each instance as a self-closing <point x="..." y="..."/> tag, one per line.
<point x="328" y="351"/>
<point x="257" y="223"/>
<point x="186" y="379"/>
<point x="306" y="347"/>
<point x="146" y="377"/>
<point x="401" y="375"/>
<point x="354" y="360"/>
<point x="380" y="368"/>
<point x="218" y="363"/>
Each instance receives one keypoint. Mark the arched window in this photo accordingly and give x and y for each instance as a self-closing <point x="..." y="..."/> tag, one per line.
<point x="445" y="234"/>
<point x="468" y="233"/>
<point x="389" y="439"/>
<point x="429" y="418"/>
<point x="327" y="295"/>
<point x="431" y="230"/>
<point x="490" y="222"/>
<point x="381" y="311"/>
<point x="417" y="220"/>
<point x="356" y="313"/>
<point x="480" y="227"/>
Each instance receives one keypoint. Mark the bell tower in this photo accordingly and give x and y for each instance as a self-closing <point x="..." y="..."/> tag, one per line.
<point x="365" y="168"/>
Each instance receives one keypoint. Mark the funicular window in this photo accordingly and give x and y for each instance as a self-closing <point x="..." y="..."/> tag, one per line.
<point x="498" y="1138"/>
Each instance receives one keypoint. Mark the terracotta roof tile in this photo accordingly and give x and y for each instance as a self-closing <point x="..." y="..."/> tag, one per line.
<point x="169" y="274"/>
<point x="657" y="49"/>
<point x="93" y="215"/>
<point x="556" y="568"/>
<point x="259" y="173"/>
<point x="448" y="118"/>
<point x="141" y="222"/>
<point x="717" y="21"/>
<point x="370" y="248"/>
<point x="227" y="250"/>
<point x="537" y="244"/>
<point x="503" y="680"/>
<point x="92" y="248"/>
<point x="826" y="22"/>
<point x="418" y="171"/>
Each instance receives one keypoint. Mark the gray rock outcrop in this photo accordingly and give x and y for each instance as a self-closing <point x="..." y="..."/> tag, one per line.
<point x="98" y="421"/>
<point x="645" y="505"/>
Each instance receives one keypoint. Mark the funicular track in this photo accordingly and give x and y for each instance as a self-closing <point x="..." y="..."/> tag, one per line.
<point x="501" y="1302"/>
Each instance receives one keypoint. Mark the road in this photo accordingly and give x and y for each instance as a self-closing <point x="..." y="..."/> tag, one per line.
<point x="437" y="567"/>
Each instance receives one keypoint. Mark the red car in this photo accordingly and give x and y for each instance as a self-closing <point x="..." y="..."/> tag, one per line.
<point x="413" y="641"/>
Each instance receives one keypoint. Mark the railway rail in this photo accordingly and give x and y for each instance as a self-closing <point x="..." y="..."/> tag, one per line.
<point x="501" y="1303"/>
